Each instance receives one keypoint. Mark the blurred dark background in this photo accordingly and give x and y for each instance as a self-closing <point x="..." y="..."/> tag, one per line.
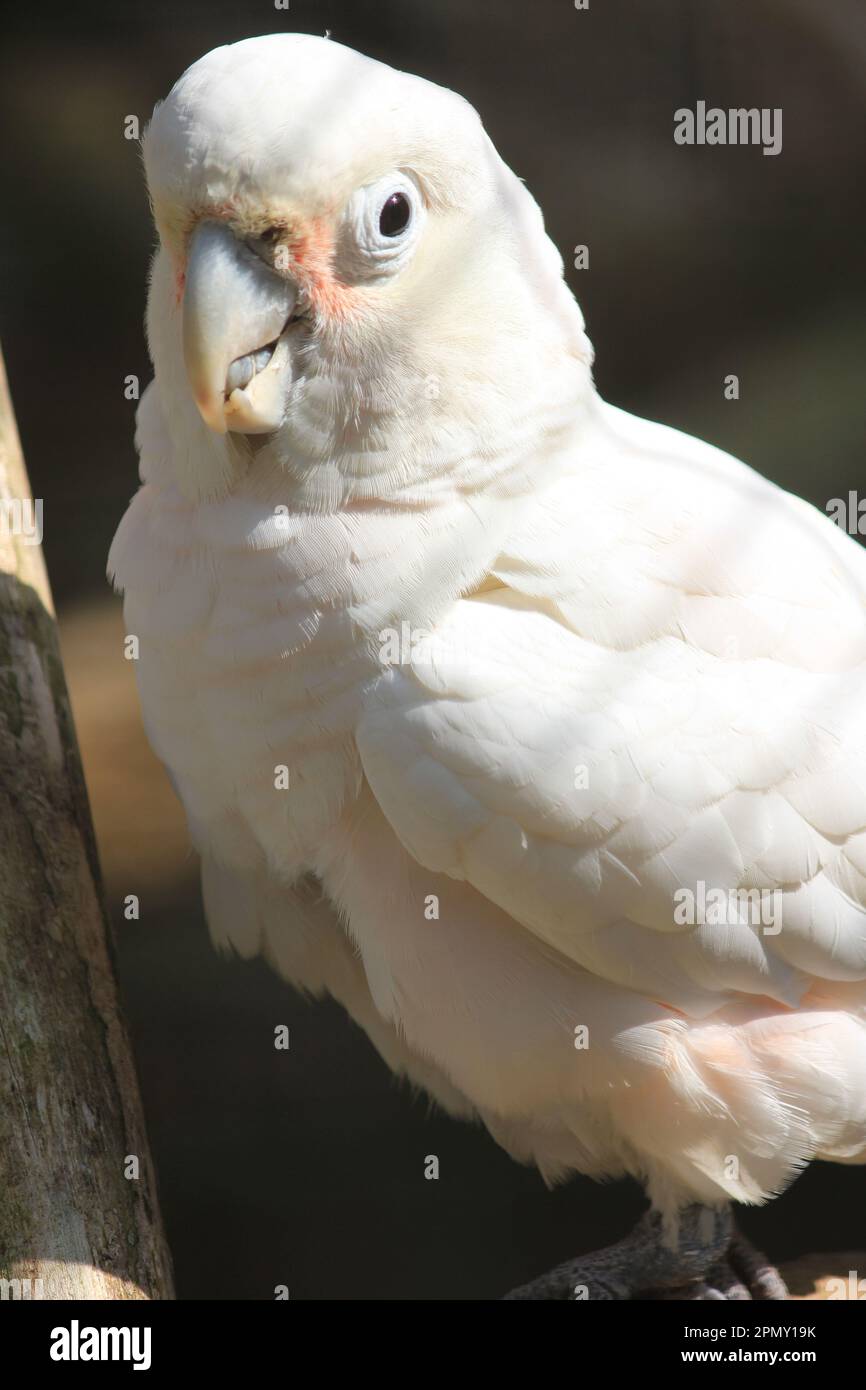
<point x="306" y="1168"/>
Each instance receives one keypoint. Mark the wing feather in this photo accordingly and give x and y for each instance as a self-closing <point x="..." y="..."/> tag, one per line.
<point x="666" y="691"/>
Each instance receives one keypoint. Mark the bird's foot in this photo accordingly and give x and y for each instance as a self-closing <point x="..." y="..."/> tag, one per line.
<point x="711" y="1260"/>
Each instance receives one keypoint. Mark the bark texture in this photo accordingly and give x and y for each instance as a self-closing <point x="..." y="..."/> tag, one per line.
<point x="73" y="1215"/>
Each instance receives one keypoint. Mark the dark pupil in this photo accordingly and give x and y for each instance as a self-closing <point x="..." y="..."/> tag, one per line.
<point x="394" y="216"/>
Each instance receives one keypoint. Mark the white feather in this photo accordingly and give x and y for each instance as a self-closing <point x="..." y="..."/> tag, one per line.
<point x="647" y="672"/>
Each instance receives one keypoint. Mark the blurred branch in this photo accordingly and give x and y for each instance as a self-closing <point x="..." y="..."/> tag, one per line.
<point x="78" y="1207"/>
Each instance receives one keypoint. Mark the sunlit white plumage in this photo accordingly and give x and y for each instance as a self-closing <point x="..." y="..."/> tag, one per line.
<point x="639" y="667"/>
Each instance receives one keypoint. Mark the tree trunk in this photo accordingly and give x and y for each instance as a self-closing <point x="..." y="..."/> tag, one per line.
<point x="73" y="1213"/>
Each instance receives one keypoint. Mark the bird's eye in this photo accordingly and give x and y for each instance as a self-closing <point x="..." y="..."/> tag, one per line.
<point x="382" y="226"/>
<point x="395" y="215"/>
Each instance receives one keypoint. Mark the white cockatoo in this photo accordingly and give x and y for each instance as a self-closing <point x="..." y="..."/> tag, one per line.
<point x="533" y="733"/>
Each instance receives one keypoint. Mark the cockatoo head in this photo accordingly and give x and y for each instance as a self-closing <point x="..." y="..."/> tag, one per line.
<point x="348" y="277"/>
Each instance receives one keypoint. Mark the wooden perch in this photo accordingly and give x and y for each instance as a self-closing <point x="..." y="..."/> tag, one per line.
<point x="73" y="1213"/>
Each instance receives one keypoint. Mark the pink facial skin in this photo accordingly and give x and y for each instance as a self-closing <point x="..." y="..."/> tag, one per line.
<point x="307" y="248"/>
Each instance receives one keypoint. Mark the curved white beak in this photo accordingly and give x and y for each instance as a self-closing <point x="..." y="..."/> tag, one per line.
<point x="234" y="306"/>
